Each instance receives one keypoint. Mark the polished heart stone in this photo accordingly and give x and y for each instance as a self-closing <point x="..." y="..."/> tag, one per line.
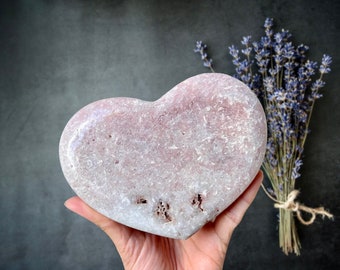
<point x="170" y="166"/>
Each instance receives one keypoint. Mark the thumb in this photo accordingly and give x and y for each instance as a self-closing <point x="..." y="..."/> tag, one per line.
<point x="228" y="220"/>
<point x="110" y="227"/>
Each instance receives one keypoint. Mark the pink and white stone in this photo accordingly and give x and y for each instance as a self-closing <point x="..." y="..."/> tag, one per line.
<point x="170" y="166"/>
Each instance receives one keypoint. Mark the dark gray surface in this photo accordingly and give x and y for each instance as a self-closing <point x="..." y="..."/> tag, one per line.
<point x="57" y="56"/>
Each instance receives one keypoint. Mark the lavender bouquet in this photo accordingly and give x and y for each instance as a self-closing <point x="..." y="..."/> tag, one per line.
<point x="288" y="85"/>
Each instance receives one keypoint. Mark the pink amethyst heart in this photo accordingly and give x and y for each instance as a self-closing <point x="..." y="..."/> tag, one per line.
<point x="170" y="166"/>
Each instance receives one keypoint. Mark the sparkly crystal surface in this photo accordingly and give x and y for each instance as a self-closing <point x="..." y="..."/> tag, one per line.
<point x="169" y="166"/>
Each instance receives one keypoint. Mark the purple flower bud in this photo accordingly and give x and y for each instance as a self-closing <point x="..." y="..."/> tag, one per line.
<point x="278" y="37"/>
<point x="265" y="41"/>
<point x="325" y="63"/>
<point x="201" y="49"/>
<point x="233" y="51"/>
<point x="247" y="51"/>
<point x="246" y="40"/>
<point x="268" y="22"/>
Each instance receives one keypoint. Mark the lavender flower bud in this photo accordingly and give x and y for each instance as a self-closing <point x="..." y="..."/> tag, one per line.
<point x="233" y="51"/>
<point x="246" y="40"/>
<point x="265" y="41"/>
<point x="268" y="23"/>
<point x="297" y="165"/>
<point x="278" y="37"/>
<point x="207" y="62"/>
<point x="325" y="63"/>
<point x="201" y="48"/>
<point x="247" y="51"/>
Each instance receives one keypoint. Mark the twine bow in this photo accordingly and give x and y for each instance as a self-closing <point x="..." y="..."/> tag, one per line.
<point x="291" y="205"/>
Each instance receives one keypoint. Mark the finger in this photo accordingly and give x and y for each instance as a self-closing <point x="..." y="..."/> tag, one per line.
<point x="110" y="227"/>
<point x="235" y="212"/>
<point x="232" y="216"/>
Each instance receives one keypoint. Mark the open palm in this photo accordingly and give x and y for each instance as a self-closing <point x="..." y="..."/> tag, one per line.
<point x="206" y="249"/>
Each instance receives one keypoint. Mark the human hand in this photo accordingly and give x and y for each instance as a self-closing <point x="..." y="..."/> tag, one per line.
<point x="206" y="249"/>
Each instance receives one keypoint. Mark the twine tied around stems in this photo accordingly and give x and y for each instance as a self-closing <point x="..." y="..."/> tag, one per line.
<point x="291" y="205"/>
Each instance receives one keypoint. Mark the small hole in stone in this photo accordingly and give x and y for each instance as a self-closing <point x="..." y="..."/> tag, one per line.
<point x="93" y="140"/>
<point x="141" y="200"/>
<point x="116" y="161"/>
<point x="110" y="136"/>
<point x="162" y="211"/>
<point x="197" y="201"/>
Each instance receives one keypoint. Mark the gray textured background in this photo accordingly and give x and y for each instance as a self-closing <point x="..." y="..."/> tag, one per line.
<point x="57" y="56"/>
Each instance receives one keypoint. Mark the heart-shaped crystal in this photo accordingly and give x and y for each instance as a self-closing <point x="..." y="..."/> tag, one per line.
<point x="170" y="166"/>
